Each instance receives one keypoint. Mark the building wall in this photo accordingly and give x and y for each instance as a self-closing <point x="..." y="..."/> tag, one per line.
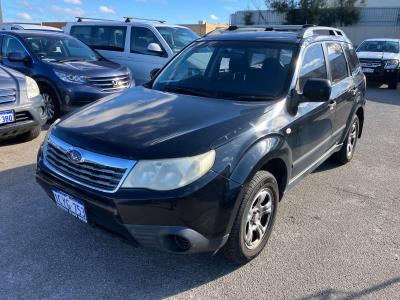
<point x="204" y="28"/>
<point x="374" y="22"/>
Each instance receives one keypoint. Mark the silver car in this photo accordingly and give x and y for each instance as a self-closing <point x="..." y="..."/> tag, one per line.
<point x="22" y="110"/>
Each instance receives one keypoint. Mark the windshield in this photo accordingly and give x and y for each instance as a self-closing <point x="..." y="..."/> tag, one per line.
<point x="241" y="70"/>
<point x="60" y="48"/>
<point x="176" y="37"/>
<point x="379" y="46"/>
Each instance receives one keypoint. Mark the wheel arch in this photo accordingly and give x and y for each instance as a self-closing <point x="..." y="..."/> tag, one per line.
<point x="43" y="82"/>
<point x="270" y="154"/>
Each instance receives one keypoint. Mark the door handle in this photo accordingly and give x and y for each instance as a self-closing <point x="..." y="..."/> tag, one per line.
<point x="332" y="105"/>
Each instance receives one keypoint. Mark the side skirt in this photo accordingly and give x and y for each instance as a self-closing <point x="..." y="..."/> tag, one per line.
<point x="313" y="166"/>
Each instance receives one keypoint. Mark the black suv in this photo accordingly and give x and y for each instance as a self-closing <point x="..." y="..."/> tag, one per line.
<point x="198" y="159"/>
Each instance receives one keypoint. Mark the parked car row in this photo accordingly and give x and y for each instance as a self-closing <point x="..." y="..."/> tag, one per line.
<point x="105" y="58"/>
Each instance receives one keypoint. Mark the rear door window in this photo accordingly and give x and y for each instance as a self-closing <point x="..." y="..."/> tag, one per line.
<point x="337" y="62"/>
<point x="352" y="58"/>
<point x="110" y="38"/>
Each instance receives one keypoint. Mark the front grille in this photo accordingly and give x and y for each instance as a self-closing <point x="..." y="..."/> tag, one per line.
<point x="23" y="116"/>
<point x="370" y="63"/>
<point x="93" y="170"/>
<point x="7" y="96"/>
<point x="110" y="84"/>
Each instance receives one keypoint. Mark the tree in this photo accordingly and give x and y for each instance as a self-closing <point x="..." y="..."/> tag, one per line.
<point x="339" y="13"/>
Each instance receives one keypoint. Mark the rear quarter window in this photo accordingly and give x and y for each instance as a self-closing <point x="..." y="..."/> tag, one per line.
<point x="352" y="58"/>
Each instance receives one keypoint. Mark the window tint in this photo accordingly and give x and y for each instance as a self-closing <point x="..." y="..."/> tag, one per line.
<point x="337" y="62"/>
<point x="141" y="38"/>
<point x="313" y="65"/>
<point x="11" y="45"/>
<point x="352" y="58"/>
<point x="101" y="37"/>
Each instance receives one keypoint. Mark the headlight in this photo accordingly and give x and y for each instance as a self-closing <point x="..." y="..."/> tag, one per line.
<point x="32" y="89"/>
<point x="68" y="77"/>
<point x="391" y="64"/>
<point x="169" y="174"/>
<point x="49" y="131"/>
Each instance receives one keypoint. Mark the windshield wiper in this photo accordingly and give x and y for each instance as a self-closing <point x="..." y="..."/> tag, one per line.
<point x="252" y="97"/>
<point x="184" y="90"/>
<point x="69" y="60"/>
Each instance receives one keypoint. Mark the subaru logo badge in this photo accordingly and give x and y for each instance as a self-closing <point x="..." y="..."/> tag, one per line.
<point x="74" y="156"/>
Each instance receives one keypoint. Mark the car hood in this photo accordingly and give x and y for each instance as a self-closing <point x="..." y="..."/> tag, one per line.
<point x="378" y="55"/>
<point x="148" y="124"/>
<point x="10" y="79"/>
<point x="101" y="68"/>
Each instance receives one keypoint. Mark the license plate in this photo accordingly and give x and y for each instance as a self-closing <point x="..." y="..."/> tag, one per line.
<point x="70" y="204"/>
<point x="367" y="70"/>
<point x="6" y="117"/>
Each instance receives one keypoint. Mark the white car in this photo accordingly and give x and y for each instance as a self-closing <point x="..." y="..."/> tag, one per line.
<point x="380" y="60"/>
<point x="141" y="45"/>
<point x="22" y="26"/>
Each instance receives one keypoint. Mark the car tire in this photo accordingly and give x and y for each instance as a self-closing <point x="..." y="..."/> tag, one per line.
<point x="31" y="135"/>
<point x="393" y="84"/>
<point x="51" y="104"/>
<point x="346" y="153"/>
<point x="255" y="219"/>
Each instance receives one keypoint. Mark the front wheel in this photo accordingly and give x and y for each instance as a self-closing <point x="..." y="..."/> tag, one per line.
<point x="393" y="83"/>
<point x="255" y="219"/>
<point x="51" y="105"/>
<point x="346" y="153"/>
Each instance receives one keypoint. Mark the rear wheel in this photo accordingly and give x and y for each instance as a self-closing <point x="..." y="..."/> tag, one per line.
<point x="255" y="219"/>
<point x="51" y="104"/>
<point x="346" y="153"/>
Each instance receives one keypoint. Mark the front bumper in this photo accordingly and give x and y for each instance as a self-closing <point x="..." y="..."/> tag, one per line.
<point x="189" y="220"/>
<point x="383" y="75"/>
<point x="75" y="95"/>
<point x="28" y="115"/>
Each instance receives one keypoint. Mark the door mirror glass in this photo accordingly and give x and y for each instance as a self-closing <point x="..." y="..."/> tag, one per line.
<point x="316" y="90"/>
<point x="154" y="73"/>
<point x="18" y="57"/>
<point x="154" y="47"/>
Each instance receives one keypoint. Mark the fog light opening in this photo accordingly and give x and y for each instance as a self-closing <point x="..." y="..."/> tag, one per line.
<point x="177" y="243"/>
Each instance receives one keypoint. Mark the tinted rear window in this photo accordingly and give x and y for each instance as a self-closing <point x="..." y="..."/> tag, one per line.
<point x="101" y="37"/>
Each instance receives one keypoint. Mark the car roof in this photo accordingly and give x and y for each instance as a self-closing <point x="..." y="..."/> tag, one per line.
<point x="123" y="23"/>
<point x="382" y="40"/>
<point x="276" y="36"/>
<point x="25" y="33"/>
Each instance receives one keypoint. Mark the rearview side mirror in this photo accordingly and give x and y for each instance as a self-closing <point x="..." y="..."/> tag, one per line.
<point x="154" y="47"/>
<point x="18" y="57"/>
<point x="316" y="90"/>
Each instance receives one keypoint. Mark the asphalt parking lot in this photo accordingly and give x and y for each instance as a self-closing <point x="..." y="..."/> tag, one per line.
<point x="337" y="236"/>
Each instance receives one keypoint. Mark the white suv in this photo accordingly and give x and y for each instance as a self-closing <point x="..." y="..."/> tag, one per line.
<point x="380" y="60"/>
<point x="142" y="46"/>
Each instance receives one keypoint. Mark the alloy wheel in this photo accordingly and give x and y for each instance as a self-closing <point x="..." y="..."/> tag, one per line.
<point x="49" y="105"/>
<point x="352" y="139"/>
<point x="258" y="218"/>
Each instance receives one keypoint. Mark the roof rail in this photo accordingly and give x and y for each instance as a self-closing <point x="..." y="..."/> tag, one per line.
<point x="269" y="27"/>
<point x="129" y="19"/>
<point x="321" y="30"/>
<point x="80" y="19"/>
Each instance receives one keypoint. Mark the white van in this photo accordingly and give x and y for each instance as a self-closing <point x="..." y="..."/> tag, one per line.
<point x="141" y="45"/>
<point x="23" y="26"/>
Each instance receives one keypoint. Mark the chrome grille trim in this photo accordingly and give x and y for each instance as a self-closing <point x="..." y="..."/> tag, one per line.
<point x="110" y="84"/>
<point x="96" y="171"/>
<point x="8" y="95"/>
<point x="370" y="63"/>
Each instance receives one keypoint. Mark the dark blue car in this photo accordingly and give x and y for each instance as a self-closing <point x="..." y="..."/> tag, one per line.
<point x="68" y="72"/>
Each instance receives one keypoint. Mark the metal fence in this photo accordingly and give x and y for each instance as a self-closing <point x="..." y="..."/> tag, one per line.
<point x="369" y="16"/>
